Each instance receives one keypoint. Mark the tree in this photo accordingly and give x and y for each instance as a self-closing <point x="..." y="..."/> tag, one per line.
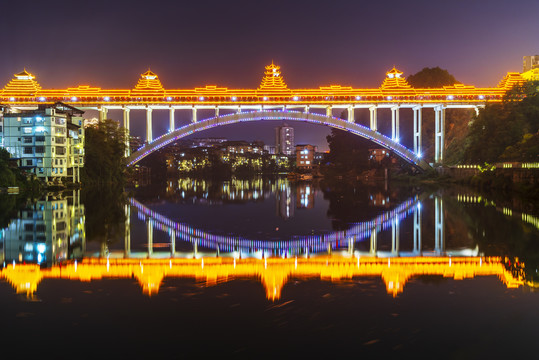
<point x="104" y="153"/>
<point x="431" y="78"/>
<point x="347" y="152"/>
<point x="504" y="131"/>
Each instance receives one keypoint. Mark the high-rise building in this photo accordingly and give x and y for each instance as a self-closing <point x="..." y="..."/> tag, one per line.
<point x="284" y="140"/>
<point x="530" y="62"/>
<point x="47" y="141"/>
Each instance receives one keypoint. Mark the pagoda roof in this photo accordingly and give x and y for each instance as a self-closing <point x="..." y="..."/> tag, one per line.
<point x="148" y="83"/>
<point x="24" y="84"/>
<point x="395" y="80"/>
<point x="273" y="79"/>
<point x="510" y="80"/>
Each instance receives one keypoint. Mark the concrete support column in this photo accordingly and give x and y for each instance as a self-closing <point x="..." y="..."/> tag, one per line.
<point x="127" y="131"/>
<point x="171" y="125"/>
<point x="127" y="245"/>
<point x="395" y="123"/>
<point x="351" y="114"/>
<point x="194" y="118"/>
<point x="395" y="237"/>
<point x="417" y="129"/>
<point x="351" y="245"/>
<point x="417" y="229"/>
<point x="103" y="113"/>
<point x="476" y="108"/>
<point x="149" y="229"/>
<point x="438" y="225"/>
<point x="439" y="133"/>
<point x="374" y="244"/>
<point x="374" y="118"/>
<point x="216" y="111"/>
<point x="329" y="111"/>
<point x="307" y="109"/>
<point x="149" y="136"/>
<point x="172" y="242"/>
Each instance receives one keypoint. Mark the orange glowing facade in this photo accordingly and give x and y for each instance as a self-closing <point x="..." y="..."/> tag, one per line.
<point x="272" y="272"/>
<point x="25" y="90"/>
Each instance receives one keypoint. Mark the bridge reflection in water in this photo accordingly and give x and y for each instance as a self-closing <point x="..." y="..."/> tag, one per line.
<point x="272" y="272"/>
<point x="298" y="245"/>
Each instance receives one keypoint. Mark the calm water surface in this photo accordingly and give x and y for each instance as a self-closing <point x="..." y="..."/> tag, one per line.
<point x="264" y="268"/>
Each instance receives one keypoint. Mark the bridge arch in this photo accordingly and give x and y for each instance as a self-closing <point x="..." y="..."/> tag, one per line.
<point x="288" y="115"/>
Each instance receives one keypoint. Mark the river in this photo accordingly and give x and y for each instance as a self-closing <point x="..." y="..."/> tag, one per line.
<point x="265" y="267"/>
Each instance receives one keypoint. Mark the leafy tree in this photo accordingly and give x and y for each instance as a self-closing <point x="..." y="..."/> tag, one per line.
<point x="504" y="131"/>
<point x="104" y="154"/>
<point x="7" y="177"/>
<point x="431" y="78"/>
<point x="347" y="152"/>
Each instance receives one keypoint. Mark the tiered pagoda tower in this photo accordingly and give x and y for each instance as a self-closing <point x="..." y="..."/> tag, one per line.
<point x="273" y="79"/>
<point x="24" y="84"/>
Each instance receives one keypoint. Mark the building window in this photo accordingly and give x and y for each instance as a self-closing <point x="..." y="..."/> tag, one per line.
<point x="40" y="149"/>
<point x="28" y="162"/>
<point x="27" y="140"/>
<point x="27" y="130"/>
<point x="40" y="138"/>
<point x="28" y="150"/>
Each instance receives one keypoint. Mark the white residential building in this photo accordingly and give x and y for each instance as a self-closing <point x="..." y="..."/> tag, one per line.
<point x="47" y="141"/>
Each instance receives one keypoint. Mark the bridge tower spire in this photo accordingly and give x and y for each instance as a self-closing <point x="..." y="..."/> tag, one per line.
<point x="273" y="79"/>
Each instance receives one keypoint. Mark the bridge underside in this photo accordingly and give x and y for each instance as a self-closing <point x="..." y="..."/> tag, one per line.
<point x="352" y="127"/>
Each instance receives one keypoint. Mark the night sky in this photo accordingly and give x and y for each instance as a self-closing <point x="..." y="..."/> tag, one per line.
<point x="228" y="43"/>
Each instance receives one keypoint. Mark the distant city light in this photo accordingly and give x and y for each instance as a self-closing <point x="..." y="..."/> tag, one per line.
<point x="41" y="98"/>
<point x="74" y="98"/>
<point x="106" y="98"/>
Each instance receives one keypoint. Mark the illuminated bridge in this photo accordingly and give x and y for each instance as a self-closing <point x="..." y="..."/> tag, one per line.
<point x="273" y="272"/>
<point x="272" y="100"/>
<point x="298" y="245"/>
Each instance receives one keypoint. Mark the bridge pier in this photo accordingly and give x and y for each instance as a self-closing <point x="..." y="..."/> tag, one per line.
<point x="351" y="114"/>
<point x="417" y="229"/>
<point x="172" y="242"/>
<point x="329" y="111"/>
<point x="395" y="123"/>
<point x="439" y="235"/>
<point x="126" y="111"/>
<point x="216" y="111"/>
<point x="373" y="241"/>
<point x="194" y="118"/>
<point x="127" y="245"/>
<point x="149" y="136"/>
<point x="395" y="237"/>
<point x="417" y="129"/>
<point x="439" y="133"/>
<point x="171" y="126"/>
<point x="103" y="113"/>
<point x="149" y="228"/>
<point x="373" y="118"/>
<point x="307" y="109"/>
